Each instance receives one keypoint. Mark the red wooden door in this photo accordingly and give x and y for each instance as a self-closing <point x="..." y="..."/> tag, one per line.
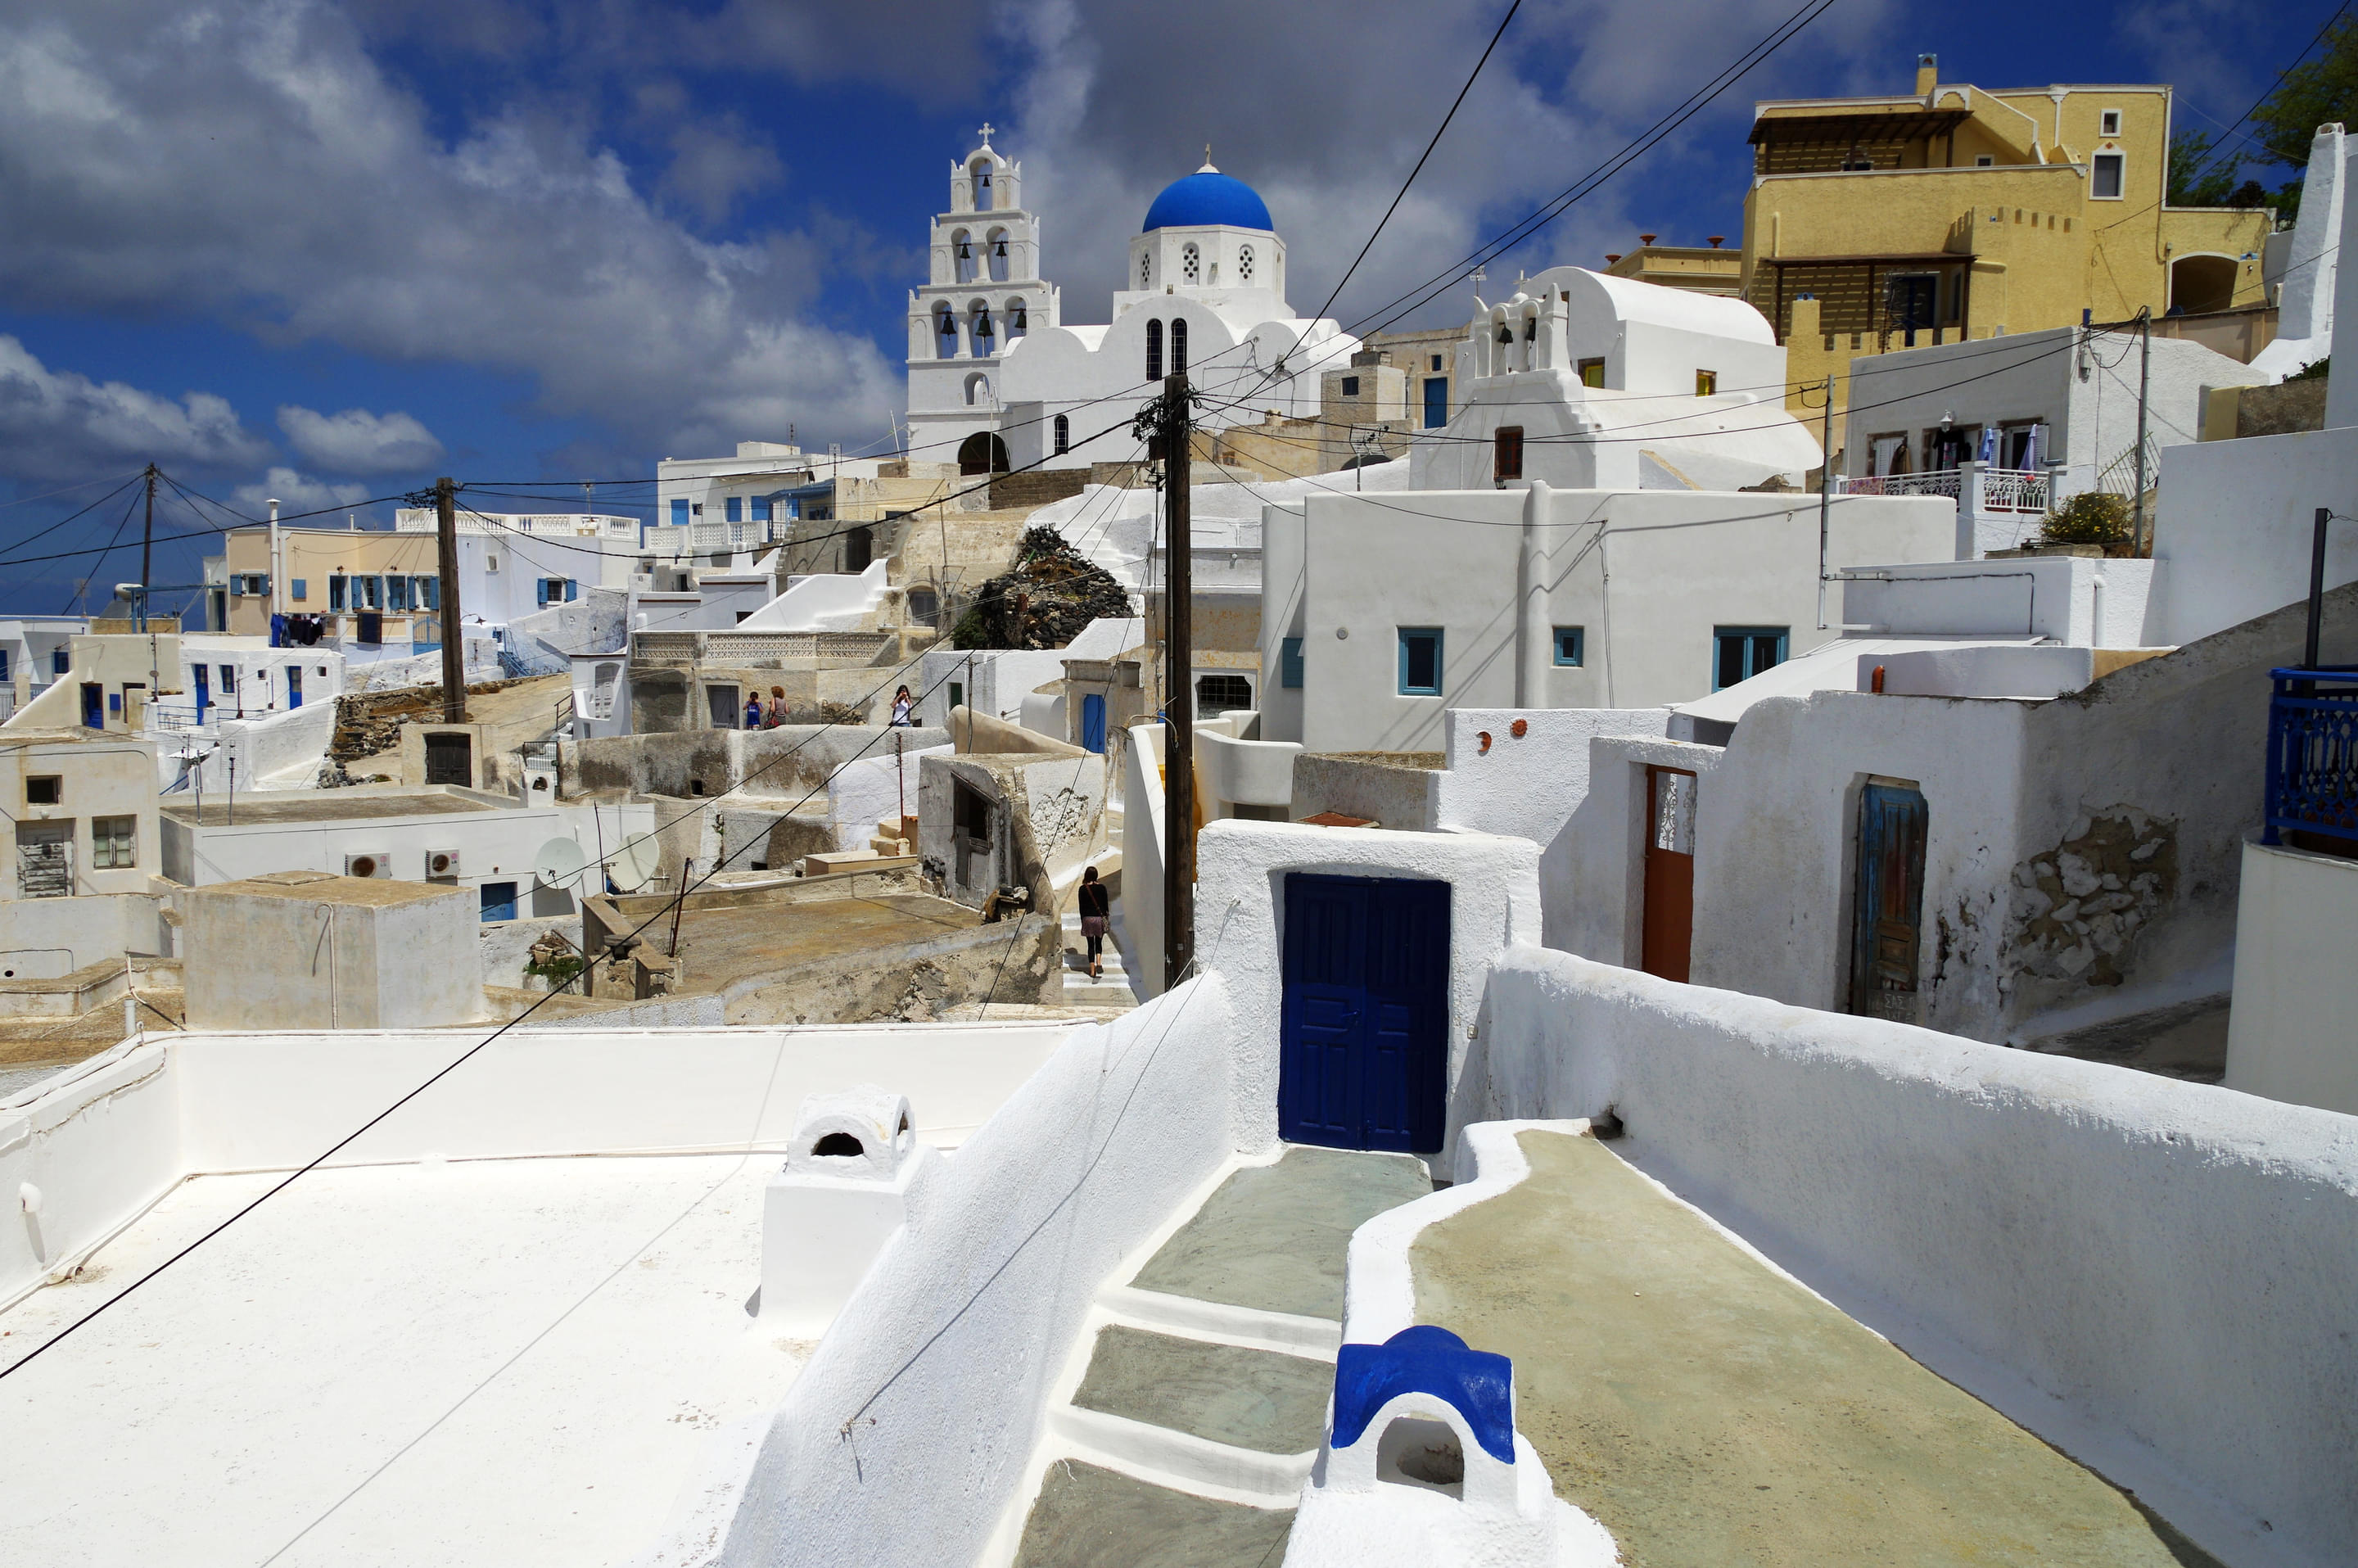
<point x="1669" y="919"/>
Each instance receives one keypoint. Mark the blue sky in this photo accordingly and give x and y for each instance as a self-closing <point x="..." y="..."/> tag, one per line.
<point x="328" y="249"/>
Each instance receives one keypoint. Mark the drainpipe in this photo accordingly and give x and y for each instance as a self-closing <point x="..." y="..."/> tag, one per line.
<point x="274" y="555"/>
<point x="1531" y="624"/>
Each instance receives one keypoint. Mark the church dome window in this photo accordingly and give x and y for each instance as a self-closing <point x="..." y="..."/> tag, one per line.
<point x="1154" y="351"/>
<point x="1145" y="270"/>
<point x="1179" y="348"/>
<point x="1064" y="434"/>
<point x="1191" y="264"/>
<point x="1244" y="265"/>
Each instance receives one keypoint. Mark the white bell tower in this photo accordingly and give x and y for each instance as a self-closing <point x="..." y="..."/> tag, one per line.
<point x="983" y="296"/>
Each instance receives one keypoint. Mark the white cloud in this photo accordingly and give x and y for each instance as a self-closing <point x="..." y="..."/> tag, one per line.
<point x="252" y="162"/>
<point x="296" y="492"/>
<point x="61" y="424"/>
<point x="357" y="441"/>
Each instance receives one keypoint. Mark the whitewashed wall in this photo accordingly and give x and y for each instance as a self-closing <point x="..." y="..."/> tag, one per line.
<point x="910" y="1429"/>
<point x="2156" y="1276"/>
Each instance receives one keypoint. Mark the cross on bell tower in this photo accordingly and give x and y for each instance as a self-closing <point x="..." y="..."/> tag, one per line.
<point x="987" y="128"/>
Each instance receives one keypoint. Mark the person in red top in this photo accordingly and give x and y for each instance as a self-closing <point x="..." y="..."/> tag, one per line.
<point x="1097" y="908"/>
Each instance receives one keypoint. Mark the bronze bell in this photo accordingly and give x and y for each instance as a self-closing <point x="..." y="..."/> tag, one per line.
<point x="965" y="250"/>
<point x="1021" y="323"/>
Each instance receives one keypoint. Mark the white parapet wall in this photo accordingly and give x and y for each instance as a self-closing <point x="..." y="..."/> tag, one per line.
<point x="2155" y="1276"/>
<point x="2293" y="1032"/>
<point x="910" y="1429"/>
<point x="104" y="1141"/>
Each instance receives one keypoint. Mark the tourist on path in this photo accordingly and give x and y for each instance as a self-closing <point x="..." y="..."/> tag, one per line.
<point x="1097" y="908"/>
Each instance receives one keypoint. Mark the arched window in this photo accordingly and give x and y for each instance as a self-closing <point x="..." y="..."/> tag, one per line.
<point x="977" y="391"/>
<point x="1064" y="434"/>
<point x="1154" y="351"/>
<point x="1190" y="263"/>
<point x="998" y="255"/>
<point x="1019" y="320"/>
<point x="982" y="185"/>
<point x="1145" y="270"/>
<point x="962" y="256"/>
<point x="1244" y="265"/>
<point x="1179" y="348"/>
<point x="945" y="332"/>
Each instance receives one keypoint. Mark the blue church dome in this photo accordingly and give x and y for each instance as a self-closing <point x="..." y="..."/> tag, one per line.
<point x="1206" y="198"/>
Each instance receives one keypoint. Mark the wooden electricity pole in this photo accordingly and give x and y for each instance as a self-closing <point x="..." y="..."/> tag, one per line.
<point x="454" y="650"/>
<point x="148" y="543"/>
<point x="1178" y="697"/>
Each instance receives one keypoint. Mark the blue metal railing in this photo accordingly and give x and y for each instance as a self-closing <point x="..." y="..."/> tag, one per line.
<point x="2313" y="785"/>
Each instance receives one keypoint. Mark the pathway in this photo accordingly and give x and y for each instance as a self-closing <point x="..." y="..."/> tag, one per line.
<point x="1710" y="1412"/>
<point x="1186" y="1439"/>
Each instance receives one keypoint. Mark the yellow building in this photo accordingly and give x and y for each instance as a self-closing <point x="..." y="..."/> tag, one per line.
<point x="1704" y="270"/>
<point x="1958" y="213"/>
<point x="338" y="572"/>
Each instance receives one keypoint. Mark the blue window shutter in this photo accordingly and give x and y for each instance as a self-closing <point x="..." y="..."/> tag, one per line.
<point x="572" y="590"/>
<point x="762" y="509"/>
<point x="1289" y="663"/>
<point x="1571" y="646"/>
<point x="736" y="509"/>
<point x="540" y="588"/>
<point x="299" y="588"/>
<point x="679" y="513"/>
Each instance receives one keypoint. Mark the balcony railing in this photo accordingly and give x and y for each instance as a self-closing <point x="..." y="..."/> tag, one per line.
<point x="1973" y="487"/>
<point x="2313" y="785"/>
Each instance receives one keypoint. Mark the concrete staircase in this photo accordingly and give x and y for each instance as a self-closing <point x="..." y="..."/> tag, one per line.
<point x="1191" y="1410"/>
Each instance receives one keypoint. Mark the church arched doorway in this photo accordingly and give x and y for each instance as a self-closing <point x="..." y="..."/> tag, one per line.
<point x="982" y="452"/>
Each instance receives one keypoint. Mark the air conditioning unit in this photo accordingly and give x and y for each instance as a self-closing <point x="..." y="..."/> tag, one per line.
<point x="441" y="865"/>
<point x="368" y="866"/>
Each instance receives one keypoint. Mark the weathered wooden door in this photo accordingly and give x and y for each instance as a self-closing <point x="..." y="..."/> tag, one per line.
<point x="1363" y="1049"/>
<point x="1668" y="932"/>
<point x="1887" y="918"/>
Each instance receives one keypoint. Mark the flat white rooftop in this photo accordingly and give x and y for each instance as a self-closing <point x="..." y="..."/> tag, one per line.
<point x="494" y="1362"/>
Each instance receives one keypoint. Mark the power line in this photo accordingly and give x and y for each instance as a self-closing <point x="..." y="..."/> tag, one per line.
<point x="1401" y="194"/>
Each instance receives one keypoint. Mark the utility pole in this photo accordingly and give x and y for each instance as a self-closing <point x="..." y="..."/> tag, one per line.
<point x="454" y="650"/>
<point x="2142" y="533"/>
<point x="1178" y="697"/>
<point x="1825" y="498"/>
<point x="147" y="542"/>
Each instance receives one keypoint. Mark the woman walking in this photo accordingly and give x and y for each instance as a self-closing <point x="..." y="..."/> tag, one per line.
<point x="1097" y="908"/>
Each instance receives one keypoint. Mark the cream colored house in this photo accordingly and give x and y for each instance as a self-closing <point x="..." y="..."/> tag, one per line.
<point x="81" y="812"/>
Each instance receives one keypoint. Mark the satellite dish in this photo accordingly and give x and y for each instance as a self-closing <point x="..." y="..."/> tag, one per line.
<point x="558" y="862"/>
<point x="635" y="863"/>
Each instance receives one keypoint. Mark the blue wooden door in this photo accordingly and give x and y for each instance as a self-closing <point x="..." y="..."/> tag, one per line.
<point x="293" y="686"/>
<point x="499" y="901"/>
<point x="1363" y="1053"/>
<point x="93" y="705"/>
<point x="1887" y="907"/>
<point x="1093" y="725"/>
<point x="204" y="691"/>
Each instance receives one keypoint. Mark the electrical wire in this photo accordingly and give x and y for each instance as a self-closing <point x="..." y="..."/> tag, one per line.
<point x="1401" y="194"/>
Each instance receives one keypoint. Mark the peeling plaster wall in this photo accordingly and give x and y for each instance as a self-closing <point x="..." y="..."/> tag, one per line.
<point x="2083" y="853"/>
<point x="2156" y="1276"/>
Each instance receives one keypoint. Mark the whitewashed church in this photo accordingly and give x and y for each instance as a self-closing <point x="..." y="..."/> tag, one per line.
<point x="997" y="380"/>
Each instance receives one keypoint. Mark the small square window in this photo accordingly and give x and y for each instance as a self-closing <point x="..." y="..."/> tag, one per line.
<point x="1571" y="646"/>
<point x="2108" y="124"/>
<point x="1739" y="653"/>
<point x="47" y="791"/>
<point x="1436" y="364"/>
<point x="1592" y="372"/>
<point x="1351" y="386"/>
<point x="1289" y="663"/>
<point x="2105" y="177"/>
<point x="1985" y="160"/>
<point x="1419" y="661"/>
<point x="1507" y="452"/>
<point x="113" y="843"/>
<point x="299" y="588"/>
<point x="1706" y="384"/>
